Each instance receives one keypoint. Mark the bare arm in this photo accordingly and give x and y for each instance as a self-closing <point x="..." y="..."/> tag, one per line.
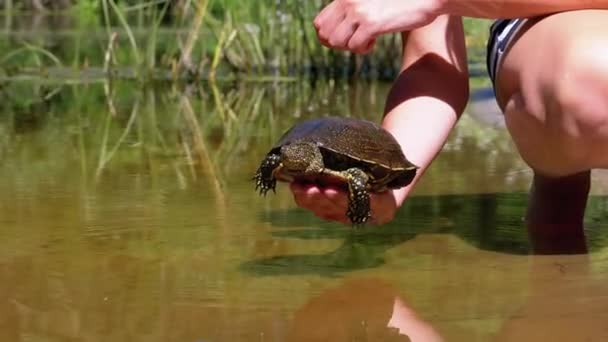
<point x="422" y="108"/>
<point x="515" y="8"/>
<point x="354" y="24"/>
<point x="430" y="94"/>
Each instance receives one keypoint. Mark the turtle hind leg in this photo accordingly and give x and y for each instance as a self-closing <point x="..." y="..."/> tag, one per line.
<point x="264" y="180"/>
<point x="359" y="210"/>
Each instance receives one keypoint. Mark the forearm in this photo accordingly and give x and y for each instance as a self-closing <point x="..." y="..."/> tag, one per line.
<point x="422" y="124"/>
<point x="516" y="8"/>
<point x="430" y="94"/>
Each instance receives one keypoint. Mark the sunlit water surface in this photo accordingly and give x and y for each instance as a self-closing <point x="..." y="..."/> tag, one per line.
<point x="133" y="218"/>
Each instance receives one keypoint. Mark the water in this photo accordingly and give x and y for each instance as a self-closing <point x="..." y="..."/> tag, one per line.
<point x="132" y="217"/>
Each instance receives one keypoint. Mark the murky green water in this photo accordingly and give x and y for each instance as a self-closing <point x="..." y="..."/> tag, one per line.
<point x="132" y="217"/>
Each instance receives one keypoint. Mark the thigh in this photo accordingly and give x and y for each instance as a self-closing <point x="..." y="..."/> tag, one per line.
<point x="540" y="53"/>
<point x="553" y="87"/>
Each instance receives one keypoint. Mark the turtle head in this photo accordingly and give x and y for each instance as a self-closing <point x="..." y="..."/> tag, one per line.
<point x="301" y="158"/>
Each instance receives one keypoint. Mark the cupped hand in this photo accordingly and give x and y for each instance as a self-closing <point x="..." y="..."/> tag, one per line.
<point x="331" y="203"/>
<point x="354" y="24"/>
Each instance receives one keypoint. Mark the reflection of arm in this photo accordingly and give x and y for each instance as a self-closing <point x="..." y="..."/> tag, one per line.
<point x="517" y="8"/>
<point x="360" y="309"/>
<point x="430" y="93"/>
<point x="408" y="323"/>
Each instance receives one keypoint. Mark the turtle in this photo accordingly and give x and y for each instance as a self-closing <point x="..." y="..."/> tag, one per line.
<point x="357" y="153"/>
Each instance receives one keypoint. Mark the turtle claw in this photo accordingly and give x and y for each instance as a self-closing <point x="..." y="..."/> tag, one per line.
<point x="359" y="211"/>
<point x="357" y="220"/>
<point x="263" y="185"/>
<point x="264" y="179"/>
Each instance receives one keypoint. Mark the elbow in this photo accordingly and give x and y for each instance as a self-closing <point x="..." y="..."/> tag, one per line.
<point x="461" y="95"/>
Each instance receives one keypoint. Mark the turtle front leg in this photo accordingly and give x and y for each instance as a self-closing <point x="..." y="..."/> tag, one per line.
<point x="359" y="210"/>
<point x="264" y="179"/>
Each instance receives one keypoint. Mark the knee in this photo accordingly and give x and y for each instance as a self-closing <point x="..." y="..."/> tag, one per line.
<point x="579" y="90"/>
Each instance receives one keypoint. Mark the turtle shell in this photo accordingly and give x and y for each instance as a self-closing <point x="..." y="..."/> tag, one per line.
<point x="353" y="142"/>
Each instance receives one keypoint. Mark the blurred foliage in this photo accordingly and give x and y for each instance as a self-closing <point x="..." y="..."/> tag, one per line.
<point x="254" y="38"/>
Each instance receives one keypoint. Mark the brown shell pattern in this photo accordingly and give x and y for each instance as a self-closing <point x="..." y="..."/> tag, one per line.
<point x="355" y="138"/>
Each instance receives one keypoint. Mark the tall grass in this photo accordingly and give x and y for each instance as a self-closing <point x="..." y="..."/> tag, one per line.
<point x="194" y="39"/>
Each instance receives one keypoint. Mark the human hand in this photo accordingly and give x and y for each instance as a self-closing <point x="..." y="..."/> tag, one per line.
<point x="331" y="203"/>
<point x="354" y="24"/>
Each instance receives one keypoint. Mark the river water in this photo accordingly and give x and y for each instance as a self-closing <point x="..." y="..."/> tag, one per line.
<point x="131" y="216"/>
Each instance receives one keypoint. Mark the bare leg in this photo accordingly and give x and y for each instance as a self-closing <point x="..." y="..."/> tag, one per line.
<point x="553" y="89"/>
<point x="555" y="214"/>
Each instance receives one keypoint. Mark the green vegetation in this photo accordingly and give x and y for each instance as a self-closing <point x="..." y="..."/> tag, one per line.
<point x="59" y="61"/>
<point x="185" y="40"/>
<point x="129" y="132"/>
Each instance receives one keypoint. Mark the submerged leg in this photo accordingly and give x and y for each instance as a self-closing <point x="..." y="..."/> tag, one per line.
<point x="559" y="124"/>
<point x="358" y="197"/>
<point x="556" y="212"/>
<point x="264" y="180"/>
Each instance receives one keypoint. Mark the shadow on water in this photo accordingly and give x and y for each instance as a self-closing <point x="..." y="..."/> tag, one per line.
<point x="486" y="220"/>
<point x="492" y="222"/>
<point x="362" y="247"/>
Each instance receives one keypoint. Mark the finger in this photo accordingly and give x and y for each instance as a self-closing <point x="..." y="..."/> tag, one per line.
<point x="326" y="14"/>
<point x="340" y="200"/>
<point x="303" y="188"/>
<point x="342" y="33"/>
<point x="319" y="202"/>
<point x="311" y="197"/>
<point x="303" y="194"/>
<point x="327" y="21"/>
<point x="337" y="196"/>
<point x="361" y="41"/>
<point x="383" y="207"/>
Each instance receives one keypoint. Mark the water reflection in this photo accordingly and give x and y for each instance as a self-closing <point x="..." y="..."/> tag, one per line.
<point x="142" y="224"/>
<point x="360" y="309"/>
<point x="127" y="298"/>
<point x="488" y="221"/>
<point x="558" y="306"/>
<point x="566" y="302"/>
